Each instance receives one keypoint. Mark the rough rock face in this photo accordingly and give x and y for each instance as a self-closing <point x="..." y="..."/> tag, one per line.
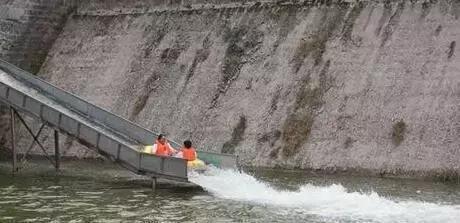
<point x="28" y="28"/>
<point x="330" y="85"/>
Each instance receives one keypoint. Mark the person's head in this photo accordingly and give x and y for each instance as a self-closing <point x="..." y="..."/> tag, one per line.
<point x="188" y="144"/>
<point x="161" y="138"/>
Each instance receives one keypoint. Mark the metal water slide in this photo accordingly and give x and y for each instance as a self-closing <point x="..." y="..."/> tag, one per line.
<point x="111" y="135"/>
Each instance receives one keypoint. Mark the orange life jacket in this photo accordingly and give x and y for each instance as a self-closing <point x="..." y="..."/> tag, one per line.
<point x="163" y="149"/>
<point x="189" y="154"/>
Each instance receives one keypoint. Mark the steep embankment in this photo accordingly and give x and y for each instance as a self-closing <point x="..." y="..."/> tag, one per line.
<point x="369" y="85"/>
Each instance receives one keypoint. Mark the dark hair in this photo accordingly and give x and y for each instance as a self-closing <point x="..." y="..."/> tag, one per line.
<point x="160" y="136"/>
<point x="187" y="144"/>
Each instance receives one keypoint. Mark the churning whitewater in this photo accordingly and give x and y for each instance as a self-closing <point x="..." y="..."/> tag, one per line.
<point x="329" y="201"/>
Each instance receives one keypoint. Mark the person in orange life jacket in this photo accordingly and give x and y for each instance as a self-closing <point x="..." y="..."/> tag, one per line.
<point x="162" y="147"/>
<point x="187" y="152"/>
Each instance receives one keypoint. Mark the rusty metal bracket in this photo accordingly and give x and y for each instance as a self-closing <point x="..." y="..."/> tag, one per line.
<point x="31" y="146"/>
<point x="34" y="136"/>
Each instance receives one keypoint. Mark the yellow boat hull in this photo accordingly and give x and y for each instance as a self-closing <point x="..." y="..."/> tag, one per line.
<point x="196" y="164"/>
<point x="147" y="149"/>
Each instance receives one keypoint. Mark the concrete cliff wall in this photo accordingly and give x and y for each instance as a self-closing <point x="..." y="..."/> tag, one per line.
<point x="28" y="28"/>
<point x="330" y="85"/>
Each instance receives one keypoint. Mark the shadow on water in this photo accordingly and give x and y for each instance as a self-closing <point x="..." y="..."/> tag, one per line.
<point x="86" y="191"/>
<point x="94" y="172"/>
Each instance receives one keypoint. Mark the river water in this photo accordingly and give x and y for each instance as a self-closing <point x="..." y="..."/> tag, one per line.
<point x="88" y="191"/>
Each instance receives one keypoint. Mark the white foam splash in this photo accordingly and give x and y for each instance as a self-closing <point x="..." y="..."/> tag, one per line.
<point x="329" y="201"/>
